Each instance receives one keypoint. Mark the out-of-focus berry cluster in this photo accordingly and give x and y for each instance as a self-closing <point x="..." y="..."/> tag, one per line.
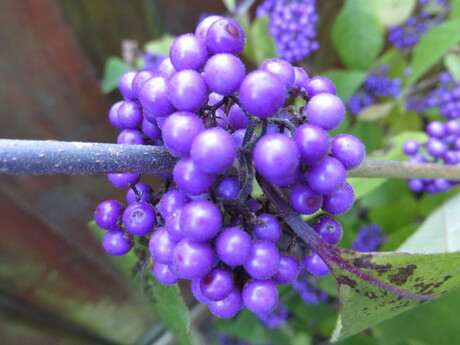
<point x="377" y="84"/>
<point x="409" y="33"/>
<point x="292" y="26"/>
<point x="202" y="107"/>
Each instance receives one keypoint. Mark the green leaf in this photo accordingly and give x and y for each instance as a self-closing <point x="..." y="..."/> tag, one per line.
<point x="393" y="12"/>
<point x="113" y="70"/>
<point x="165" y="300"/>
<point x="394" y="150"/>
<point x="160" y="45"/>
<point x="357" y="34"/>
<point x="364" y="305"/>
<point x="455" y="10"/>
<point x="263" y="46"/>
<point x="432" y="47"/>
<point x="439" y="233"/>
<point x="452" y="63"/>
<point x="375" y="111"/>
<point x="229" y="5"/>
<point x="347" y="82"/>
<point x="433" y="323"/>
<point x="364" y="186"/>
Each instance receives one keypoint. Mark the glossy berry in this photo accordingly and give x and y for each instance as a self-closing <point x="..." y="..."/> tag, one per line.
<point x="312" y="142"/>
<point x="123" y="180"/>
<point x="164" y="274"/>
<point x="130" y="114"/>
<point x="188" y="52"/>
<point x="340" y="201"/>
<point x="348" y="149"/>
<point x="117" y="242"/>
<point x="139" y="80"/>
<point x="130" y="137"/>
<point x="139" y="218"/>
<point x="411" y="147"/>
<point x="187" y="90"/>
<point x="282" y="69"/>
<point x="179" y="130"/>
<point x="270" y="231"/>
<point x="233" y="246"/>
<point x="192" y="259"/>
<point x="237" y="118"/>
<point x="276" y="157"/>
<point x="318" y="85"/>
<point x="171" y="201"/>
<point x="125" y="85"/>
<point x="325" y="110"/>
<point x="154" y="97"/>
<point x="165" y="68"/>
<point x="260" y="296"/>
<point x="213" y="150"/>
<point x="161" y="246"/>
<point x="191" y="179"/>
<point x="143" y="192"/>
<point x="300" y="79"/>
<point x="315" y="265"/>
<point x="228" y="188"/>
<point x="225" y="36"/>
<point x="151" y="129"/>
<point x="217" y="285"/>
<point x="327" y="176"/>
<point x="224" y="73"/>
<point x="262" y="93"/>
<point x="108" y="214"/>
<point x="228" y="307"/>
<point x="203" y="27"/>
<point x="196" y="290"/>
<point x="113" y="115"/>
<point x="200" y="220"/>
<point x="172" y="225"/>
<point x="329" y="229"/>
<point x="263" y="260"/>
<point x="304" y="200"/>
<point x="288" y="270"/>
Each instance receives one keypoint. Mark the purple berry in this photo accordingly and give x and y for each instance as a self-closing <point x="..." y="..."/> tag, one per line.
<point x="130" y="137"/>
<point x="276" y="157"/>
<point x="318" y="85"/>
<point x="233" y="246"/>
<point x="411" y="147"/>
<point x="300" y="79"/>
<point x="217" y="285"/>
<point x="325" y="110"/>
<point x="260" y="296"/>
<point x="192" y="259"/>
<point x="171" y="201"/>
<point x="139" y="218"/>
<point x="188" y="52"/>
<point x="228" y="307"/>
<point x="113" y="115"/>
<point x="154" y="97"/>
<point x="327" y="176"/>
<point x="237" y="118"/>
<point x="262" y="93"/>
<point x="108" y="214"/>
<point x="165" y="68"/>
<point x="312" y="142"/>
<point x="225" y="36"/>
<point x="125" y="85"/>
<point x="172" y="225"/>
<point x="117" y="242"/>
<point x="329" y="229"/>
<point x="164" y="274"/>
<point x="436" y="147"/>
<point x="123" y="180"/>
<point x="271" y="231"/>
<point x="187" y="90"/>
<point x="304" y="200"/>
<point x="139" y="80"/>
<point x="203" y="27"/>
<point x="213" y="150"/>
<point x="349" y="150"/>
<point x="151" y="129"/>
<point x="288" y="270"/>
<point x="191" y="179"/>
<point x="340" y="201"/>
<point x="224" y="73"/>
<point x="228" y="188"/>
<point x="161" y="246"/>
<point x="200" y="220"/>
<point x="282" y="69"/>
<point x="196" y="290"/>
<point x="179" y="130"/>
<point x="263" y="260"/>
<point x="130" y="114"/>
<point x="436" y="129"/>
<point x="143" y="190"/>
<point x="315" y="265"/>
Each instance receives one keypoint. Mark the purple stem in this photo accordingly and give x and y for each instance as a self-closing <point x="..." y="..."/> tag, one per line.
<point x="330" y="254"/>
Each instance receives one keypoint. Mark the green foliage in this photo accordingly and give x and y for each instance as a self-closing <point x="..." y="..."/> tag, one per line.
<point x="113" y="70"/>
<point x="259" y="44"/>
<point x="346" y="82"/>
<point x="160" y="46"/>
<point x="357" y="34"/>
<point x="393" y="12"/>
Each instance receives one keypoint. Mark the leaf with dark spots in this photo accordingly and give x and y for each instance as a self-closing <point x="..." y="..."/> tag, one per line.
<point x="364" y="304"/>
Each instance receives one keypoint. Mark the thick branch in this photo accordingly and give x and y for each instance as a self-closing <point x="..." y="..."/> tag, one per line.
<point x="37" y="157"/>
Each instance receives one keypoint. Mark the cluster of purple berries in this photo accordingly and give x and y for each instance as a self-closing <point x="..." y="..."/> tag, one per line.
<point x="409" y="33"/>
<point x="445" y="98"/>
<point x="203" y="108"/>
<point x="292" y="26"/>
<point x="377" y="84"/>
<point x="369" y="238"/>
<point x="442" y="146"/>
